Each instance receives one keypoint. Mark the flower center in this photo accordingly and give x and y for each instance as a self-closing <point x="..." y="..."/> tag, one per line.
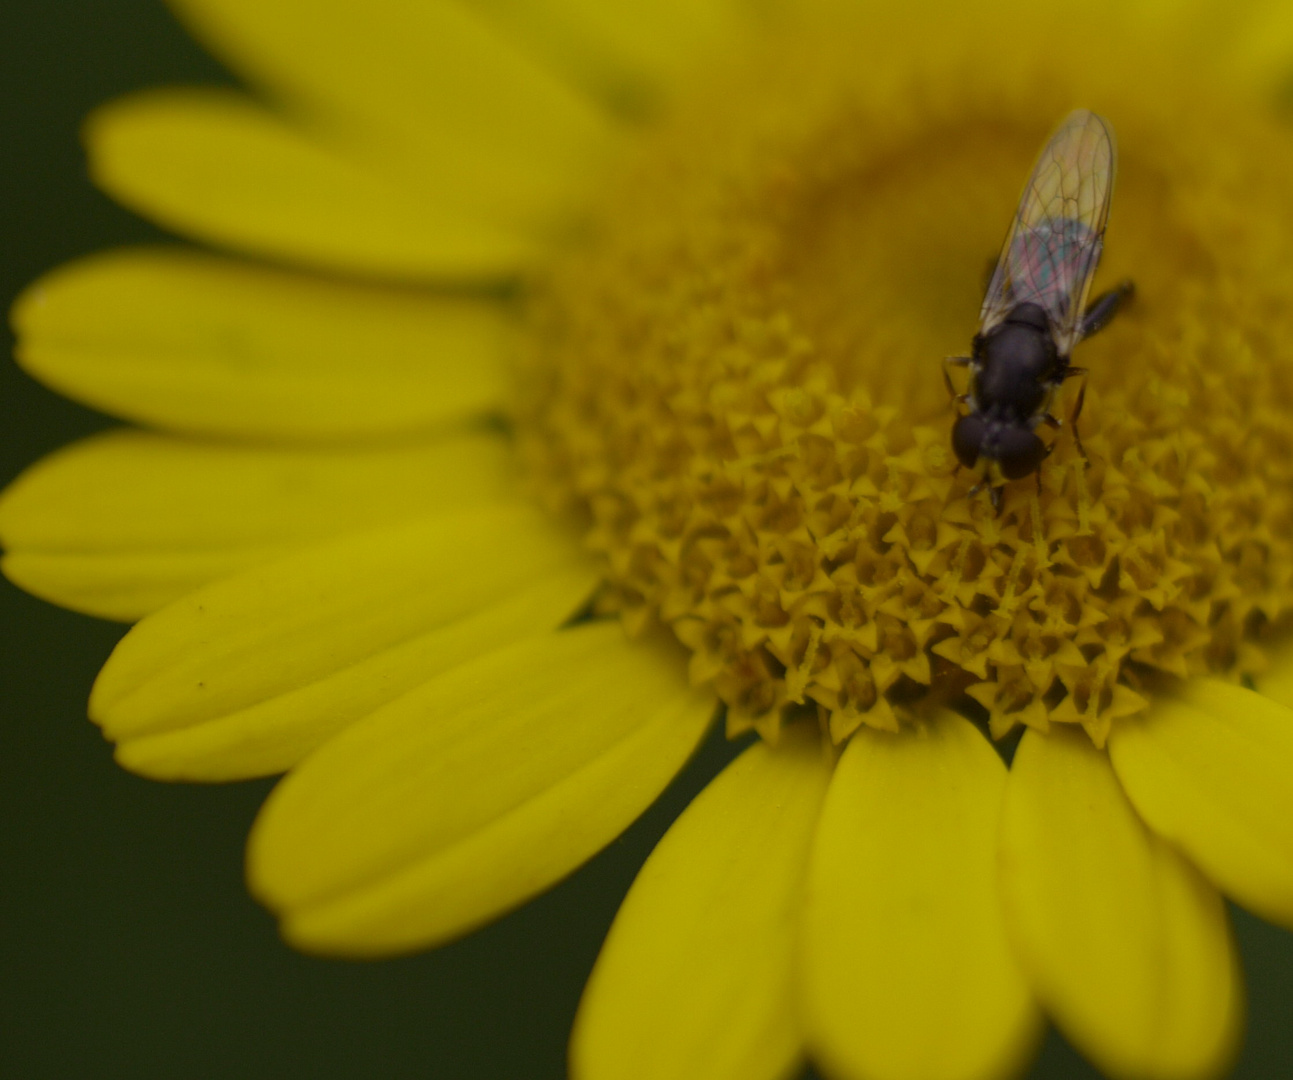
<point x="736" y="381"/>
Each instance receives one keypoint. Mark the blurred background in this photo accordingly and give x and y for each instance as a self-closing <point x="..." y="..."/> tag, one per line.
<point x="128" y="946"/>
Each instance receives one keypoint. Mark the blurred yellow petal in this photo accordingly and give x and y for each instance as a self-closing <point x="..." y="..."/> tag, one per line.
<point x="273" y="661"/>
<point x="134" y="489"/>
<point x="216" y="166"/>
<point x="124" y="586"/>
<point x="694" y="979"/>
<point x="1211" y="771"/>
<point x="907" y="971"/>
<point x="199" y="343"/>
<point x="1253" y="41"/>
<point x="123" y="523"/>
<point x="1126" y="944"/>
<point x="630" y="55"/>
<point x="475" y="792"/>
<point x="430" y="89"/>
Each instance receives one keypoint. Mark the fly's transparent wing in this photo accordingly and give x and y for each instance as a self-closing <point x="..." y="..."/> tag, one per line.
<point x="1054" y="244"/>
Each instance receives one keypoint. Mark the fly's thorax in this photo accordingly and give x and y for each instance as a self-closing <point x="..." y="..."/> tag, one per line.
<point x="1030" y="315"/>
<point x="1016" y="365"/>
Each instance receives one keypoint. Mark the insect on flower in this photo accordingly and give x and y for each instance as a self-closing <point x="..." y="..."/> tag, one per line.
<point x="1035" y="310"/>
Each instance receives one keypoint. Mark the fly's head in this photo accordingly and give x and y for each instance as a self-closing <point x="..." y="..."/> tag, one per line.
<point x="1016" y="449"/>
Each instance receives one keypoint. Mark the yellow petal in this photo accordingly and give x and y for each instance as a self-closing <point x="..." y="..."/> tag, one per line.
<point x="249" y="674"/>
<point x="276" y="734"/>
<point x="135" y="489"/>
<point x="695" y="977"/>
<point x="480" y="789"/>
<point x="907" y="971"/>
<point x="121" y="524"/>
<point x="1125" y="943"/>
<point x="428" y="88"/>
<point x="210" y="345"/>
<point x="629" y="55"/>
<point x="1211" y="771"/>
<point x="123" y="586"/>
<point x="214" y="165"/>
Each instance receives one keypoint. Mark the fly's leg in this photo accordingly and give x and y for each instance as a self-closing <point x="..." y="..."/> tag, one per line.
<point x="994" y="494"/>
<point x="1050" y="422"/>
<point x="1071" y="372"/>
<point x="1077" y="411"/>
<point x="956" y="361"/>
<point x="1104" y="307"/>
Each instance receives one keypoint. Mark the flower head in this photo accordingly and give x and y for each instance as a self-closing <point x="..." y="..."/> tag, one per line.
<point x="705" y="299"/>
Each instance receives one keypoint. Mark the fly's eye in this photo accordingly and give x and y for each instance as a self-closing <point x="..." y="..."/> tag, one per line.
<point x="1019" y="452"/>
<point x="967" y="438"/>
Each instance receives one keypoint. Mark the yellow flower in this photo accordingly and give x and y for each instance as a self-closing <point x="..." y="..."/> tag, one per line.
<point x="692" y="267"/>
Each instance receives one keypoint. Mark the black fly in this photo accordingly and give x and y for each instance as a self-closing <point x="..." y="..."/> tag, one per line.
<point x="1035" y="310"/>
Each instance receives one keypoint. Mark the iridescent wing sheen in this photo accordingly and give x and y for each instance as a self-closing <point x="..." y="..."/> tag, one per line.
<point x="1051" y="252"/>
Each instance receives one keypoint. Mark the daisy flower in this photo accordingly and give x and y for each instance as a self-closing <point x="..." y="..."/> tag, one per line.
<point x="568" y="374"/>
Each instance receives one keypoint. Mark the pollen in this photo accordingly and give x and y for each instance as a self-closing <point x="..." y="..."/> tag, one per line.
<point x="735" y="382"/>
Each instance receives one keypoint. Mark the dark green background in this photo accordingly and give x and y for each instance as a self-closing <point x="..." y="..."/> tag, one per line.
<point x="127" y="945"/>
